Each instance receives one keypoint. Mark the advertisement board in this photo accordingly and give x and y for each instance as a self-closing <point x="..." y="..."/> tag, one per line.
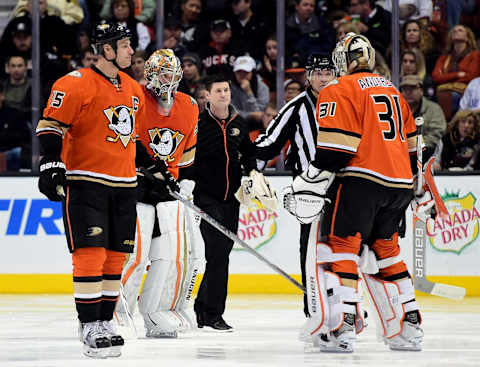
<point x="32" y="234"/>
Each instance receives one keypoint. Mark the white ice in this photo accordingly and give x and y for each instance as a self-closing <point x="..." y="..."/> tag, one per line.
<point x="40" y="331"/>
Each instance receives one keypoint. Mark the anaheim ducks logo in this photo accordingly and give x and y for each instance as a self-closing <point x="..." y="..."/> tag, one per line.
<point x="164" y="142"/>
<point x="122" y="121"/>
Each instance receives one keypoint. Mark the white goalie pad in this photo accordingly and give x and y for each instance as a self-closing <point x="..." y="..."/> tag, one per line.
<point x="388" y="303"/>
<point x="327" y="298"/>
<point x="135" y="267"/>
<point x="177" y="256"/>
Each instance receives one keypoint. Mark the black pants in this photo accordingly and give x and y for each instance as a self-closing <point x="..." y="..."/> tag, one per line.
<point x="212" y="294"/>
<point x="304" y="232"/>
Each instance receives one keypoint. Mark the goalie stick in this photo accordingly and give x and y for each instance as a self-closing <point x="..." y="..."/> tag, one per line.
<point x="173" y="189"/>
<point x="420" y="280"/>
<point x="234" y="238"/>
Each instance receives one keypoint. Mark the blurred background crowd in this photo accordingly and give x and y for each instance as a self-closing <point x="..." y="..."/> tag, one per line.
<point x="439" y="58"/>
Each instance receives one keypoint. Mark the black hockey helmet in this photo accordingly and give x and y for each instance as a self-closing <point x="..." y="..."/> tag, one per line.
<point x="319" y="62"/>
<point x="109" y="32"/>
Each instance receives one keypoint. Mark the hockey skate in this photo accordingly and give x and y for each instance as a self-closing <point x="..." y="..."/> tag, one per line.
<point x="116" y="340"/>
<point x="338" y="341"/>
<point x="160" y="325"/>
<point x="410" y="338"/>
<point x="96" y="343"/>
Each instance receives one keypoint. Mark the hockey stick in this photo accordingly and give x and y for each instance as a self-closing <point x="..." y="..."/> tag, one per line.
<point x="128" y="314"/>
<point x="234" y="238"/>
<point x="419" y="123"/>
<point x="420" y="280"/>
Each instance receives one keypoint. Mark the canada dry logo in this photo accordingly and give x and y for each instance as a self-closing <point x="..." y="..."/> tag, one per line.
<point x="460" y="229"/>
<point x="256" y="226"/>
<point x="164" y="142"/>
<point x="121" y="120"/>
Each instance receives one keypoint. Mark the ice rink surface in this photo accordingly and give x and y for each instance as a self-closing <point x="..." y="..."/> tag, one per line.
<point x="40" y="331"/>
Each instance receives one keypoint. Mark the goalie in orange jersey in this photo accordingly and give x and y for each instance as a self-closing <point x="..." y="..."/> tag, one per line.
<point x="363" y="170"/>
<point x="167" y="235"/>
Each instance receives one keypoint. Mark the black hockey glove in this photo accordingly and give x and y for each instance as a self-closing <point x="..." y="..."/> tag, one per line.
<point x="51" y="182"/>
<point x="160" y="171"/>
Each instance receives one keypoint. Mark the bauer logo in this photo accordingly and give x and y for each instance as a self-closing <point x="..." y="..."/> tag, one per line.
<point x="256" y="226"/>
<point x="460" y="230"/>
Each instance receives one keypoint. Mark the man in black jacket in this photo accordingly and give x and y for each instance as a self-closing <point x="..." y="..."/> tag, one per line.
<point x="375" y="23"/>
<point x="223" y="147"/>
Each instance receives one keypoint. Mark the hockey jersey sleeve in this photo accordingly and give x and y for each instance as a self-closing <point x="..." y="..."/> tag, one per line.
<point x="62" y="110"/>
<point x="188" y="155"/>
<point x="411" y="133"/>
<point x="340" y="130"/>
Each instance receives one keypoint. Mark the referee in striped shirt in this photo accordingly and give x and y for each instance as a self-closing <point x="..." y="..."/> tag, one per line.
<point x="296" y="123"/>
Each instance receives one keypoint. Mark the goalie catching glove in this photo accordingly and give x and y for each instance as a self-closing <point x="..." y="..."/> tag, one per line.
<point x="256" y="186"/>
<point x="305" y="198"/>
<point x="52" y="178"/>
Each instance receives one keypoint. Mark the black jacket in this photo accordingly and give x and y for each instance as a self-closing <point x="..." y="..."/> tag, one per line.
<point x="379" y="29"/>
<point x="223" y="147"/>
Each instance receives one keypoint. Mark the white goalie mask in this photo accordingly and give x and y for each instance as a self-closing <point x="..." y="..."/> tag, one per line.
<point x="353" y="52"/>
<point x="163" y="72"/>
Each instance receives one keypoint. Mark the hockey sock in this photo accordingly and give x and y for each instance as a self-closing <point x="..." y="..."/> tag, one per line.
<point x="87" y="282"/>
<point x="112" y="274"/>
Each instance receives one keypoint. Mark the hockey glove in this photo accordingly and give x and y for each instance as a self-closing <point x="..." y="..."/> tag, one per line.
<point x="306" y="197"/>
<point x="160" y="171"/>
<point x="256" y="186"/>
<point x="52" y="178"/>
<point x="423" y="203"/>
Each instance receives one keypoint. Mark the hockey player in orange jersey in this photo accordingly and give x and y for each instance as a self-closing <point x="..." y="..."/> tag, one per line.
<point x="362" y="178"/>
<point x="87" y="137"/>
<point x="167" y="235"/>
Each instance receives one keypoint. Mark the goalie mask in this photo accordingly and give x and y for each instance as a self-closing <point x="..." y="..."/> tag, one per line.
<point x="353" y="52"/>
<point x="163" y="73"/>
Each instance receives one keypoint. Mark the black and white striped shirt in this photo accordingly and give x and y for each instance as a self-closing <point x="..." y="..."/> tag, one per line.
<point x="295" y="122"/>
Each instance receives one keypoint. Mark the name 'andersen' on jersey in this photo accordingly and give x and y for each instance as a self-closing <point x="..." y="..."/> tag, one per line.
<point x="364" y="115"/>
<point x="97" y="122"/>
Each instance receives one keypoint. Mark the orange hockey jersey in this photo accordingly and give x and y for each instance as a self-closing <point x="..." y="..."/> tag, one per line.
<point x="97" y="120"/>
<point x="172" y="138"/>
<point x="363" y="114"/>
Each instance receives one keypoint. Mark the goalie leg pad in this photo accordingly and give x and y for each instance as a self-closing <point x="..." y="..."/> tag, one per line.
<point x="328" y="299"/>
<point x="342" y="304"/>
<point x="134" y="269"/>
<point x="172" y="273"/>
<point x="390" y="301"/>
<point x="316" y="289"/>
<point x="195" y="259"/>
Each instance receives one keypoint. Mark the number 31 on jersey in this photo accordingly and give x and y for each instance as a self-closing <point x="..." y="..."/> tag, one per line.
<point x="326" y="109"/>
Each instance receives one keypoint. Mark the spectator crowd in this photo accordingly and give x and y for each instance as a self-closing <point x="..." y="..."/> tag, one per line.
<point x="439" y="58"/>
